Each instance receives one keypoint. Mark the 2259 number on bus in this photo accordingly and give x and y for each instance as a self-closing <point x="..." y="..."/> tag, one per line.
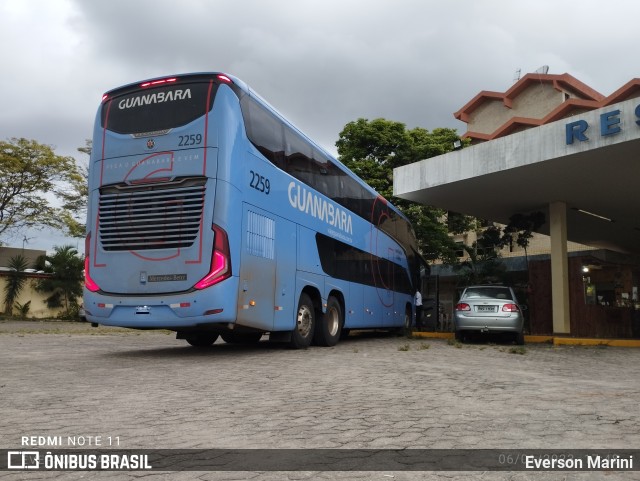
<point x="260" y="183"/>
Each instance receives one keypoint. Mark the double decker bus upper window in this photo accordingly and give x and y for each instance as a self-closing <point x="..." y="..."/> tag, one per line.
<point x="264" y="130"/>
<point x="159" y="108"/>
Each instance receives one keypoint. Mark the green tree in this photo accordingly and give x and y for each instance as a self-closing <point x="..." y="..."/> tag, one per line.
<point x="30" y="174"/>
<point x="483" y="263"/>
<point x="521" y="228"/>
<point x="373" y="148"/>
<point x="15" y="282"/>
<point x="75" y="201"/>
<point x="65" y="283"/>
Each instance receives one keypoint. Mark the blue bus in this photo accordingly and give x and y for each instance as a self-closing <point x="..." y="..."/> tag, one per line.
<point x="213" y="216"/>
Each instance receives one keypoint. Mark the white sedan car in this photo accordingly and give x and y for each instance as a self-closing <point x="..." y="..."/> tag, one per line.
<point x="489" y="309"/>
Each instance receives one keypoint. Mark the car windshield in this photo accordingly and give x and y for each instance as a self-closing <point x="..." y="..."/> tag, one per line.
<point x="492" y="292"/>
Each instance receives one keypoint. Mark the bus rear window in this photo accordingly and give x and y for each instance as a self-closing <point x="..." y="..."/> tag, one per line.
<point x="159" y="108"/>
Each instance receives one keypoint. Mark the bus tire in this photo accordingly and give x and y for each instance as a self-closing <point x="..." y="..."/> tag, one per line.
<point x="203" y="340"/>
<point x="302" y="334"/>
<point x="329" y="327"/>
<point x="408" y="322"/>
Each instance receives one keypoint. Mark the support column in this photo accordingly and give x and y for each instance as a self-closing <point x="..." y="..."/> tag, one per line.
<point x="559" y="268"/>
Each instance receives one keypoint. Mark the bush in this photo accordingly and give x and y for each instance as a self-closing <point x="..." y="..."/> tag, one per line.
<point x="23" y="309"/>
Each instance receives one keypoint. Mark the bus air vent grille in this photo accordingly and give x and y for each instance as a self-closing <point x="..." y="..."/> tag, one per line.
<point x="164" y="216"/>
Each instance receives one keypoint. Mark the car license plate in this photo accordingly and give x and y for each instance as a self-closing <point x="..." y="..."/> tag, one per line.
<point x="486" y="308"/>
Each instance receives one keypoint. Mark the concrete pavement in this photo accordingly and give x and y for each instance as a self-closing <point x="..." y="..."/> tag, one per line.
<point x="148" y="390"/>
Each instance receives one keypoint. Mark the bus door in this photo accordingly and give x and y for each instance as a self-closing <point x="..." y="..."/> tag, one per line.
<point x="284" y="302"/>
<point x="257" y="269"/>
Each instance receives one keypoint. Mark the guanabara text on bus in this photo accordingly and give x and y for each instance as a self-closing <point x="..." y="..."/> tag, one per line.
<point x="213" y="216"/>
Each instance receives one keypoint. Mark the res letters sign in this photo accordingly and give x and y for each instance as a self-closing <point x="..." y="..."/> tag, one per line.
<point x="609" y="125"/>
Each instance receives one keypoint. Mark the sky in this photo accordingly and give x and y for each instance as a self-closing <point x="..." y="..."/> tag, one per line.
<point x="320" y="63"/>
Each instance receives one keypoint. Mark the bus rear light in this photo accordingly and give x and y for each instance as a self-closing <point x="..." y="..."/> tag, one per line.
<point x="158" y="82"/>
<point x="179" y="305"/>
<point x="88" y="282"/>
<point x="213" y="311"/>
<point x="220" y="260"/>
<point x="224" y="78"/>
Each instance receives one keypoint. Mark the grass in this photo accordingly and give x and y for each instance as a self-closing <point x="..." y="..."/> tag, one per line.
<point x="518" y="350"/>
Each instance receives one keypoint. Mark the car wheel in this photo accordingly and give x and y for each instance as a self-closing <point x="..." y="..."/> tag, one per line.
<point x="519" y="338"/>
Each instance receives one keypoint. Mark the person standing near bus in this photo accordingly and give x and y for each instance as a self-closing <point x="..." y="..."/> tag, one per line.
<point x="418" y="304"/>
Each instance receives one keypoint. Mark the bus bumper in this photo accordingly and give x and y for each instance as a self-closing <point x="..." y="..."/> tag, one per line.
<point x="174" y="311"/>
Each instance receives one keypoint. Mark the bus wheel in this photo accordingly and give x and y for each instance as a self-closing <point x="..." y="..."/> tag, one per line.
<point x="329" y="327"/>
<point x="305" y="321"/>
<point x="241" y="338"/>
<point x="202" y="340"/>
<point x="408" y="321"/>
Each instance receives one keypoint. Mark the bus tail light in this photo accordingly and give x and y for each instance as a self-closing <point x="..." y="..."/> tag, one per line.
<point x="88" y="281"/>
<point x="220" y="260"/>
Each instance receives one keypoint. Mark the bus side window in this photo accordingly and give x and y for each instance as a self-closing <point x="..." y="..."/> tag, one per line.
<point x="264" y="131"/>
<point x="297" y="155"/>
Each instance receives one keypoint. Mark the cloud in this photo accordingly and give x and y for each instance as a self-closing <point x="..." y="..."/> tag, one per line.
<point x="321" y="63"/>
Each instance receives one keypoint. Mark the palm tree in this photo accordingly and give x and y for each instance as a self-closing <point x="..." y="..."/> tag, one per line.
<point x="65" y="283"/>
<point x="15" y="282"/>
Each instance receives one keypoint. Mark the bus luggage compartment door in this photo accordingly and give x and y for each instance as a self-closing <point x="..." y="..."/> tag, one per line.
<point x="257" y="269"/>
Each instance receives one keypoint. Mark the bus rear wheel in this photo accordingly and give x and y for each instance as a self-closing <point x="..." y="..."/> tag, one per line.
<point x="329" y="327"/>
<point x="302" y="334"/>
<point x="202" y="340"/>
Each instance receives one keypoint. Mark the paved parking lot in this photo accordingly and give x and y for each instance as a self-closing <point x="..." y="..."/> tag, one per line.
<point x="149" y="390"/>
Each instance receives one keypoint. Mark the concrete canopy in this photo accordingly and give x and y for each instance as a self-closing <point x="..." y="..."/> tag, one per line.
<point x="527" y="171"/>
